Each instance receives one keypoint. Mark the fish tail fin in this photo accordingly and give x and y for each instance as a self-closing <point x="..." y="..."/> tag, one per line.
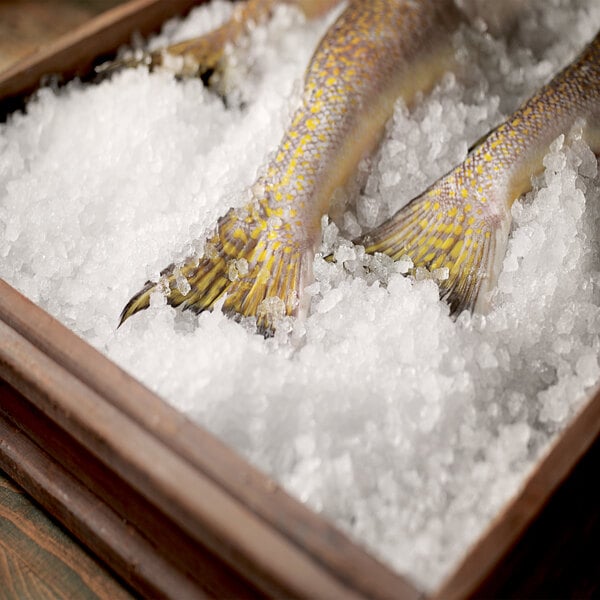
<point x="204" y="55"/>
<point x="198" y="57"/>
<point x="140" y="301"/>
<point x="464" y="239"/>
<point x="196" y="284"/>
<point x="130" y="61"/>
<point x="251" y="262"/>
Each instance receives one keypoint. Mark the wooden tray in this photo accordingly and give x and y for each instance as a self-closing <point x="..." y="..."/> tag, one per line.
<point x="166" y="505"/>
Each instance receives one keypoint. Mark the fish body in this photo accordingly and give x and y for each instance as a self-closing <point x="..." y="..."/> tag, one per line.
<point x="260" y="256"/>
<point x="461" y="223"/>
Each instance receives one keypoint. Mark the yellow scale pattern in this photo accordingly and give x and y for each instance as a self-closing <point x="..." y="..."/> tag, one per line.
<point x="376" y="51"/>
<point x="461" y="223"/>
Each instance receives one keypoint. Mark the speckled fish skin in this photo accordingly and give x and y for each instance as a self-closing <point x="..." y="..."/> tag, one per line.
<point x="376" y="51"/>
<point x="462" y="222"/>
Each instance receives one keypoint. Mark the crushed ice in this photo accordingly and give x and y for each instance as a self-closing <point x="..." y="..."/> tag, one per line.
<point x="407" y="429"/>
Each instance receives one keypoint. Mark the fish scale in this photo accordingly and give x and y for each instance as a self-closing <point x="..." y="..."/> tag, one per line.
<point x="260" y="256"/>
<point x="375" y="52"/>
<point x="462" y="222"/>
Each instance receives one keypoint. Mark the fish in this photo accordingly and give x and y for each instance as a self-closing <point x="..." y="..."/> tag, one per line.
<point x="205" y="56"/>
<point x="462" y="222"/>
<point x="259" y="258"/>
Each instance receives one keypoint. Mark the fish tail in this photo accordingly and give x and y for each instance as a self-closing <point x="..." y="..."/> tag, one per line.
<point x="199" y="57"/>
<point x="195" y="284"/>
<point x="252" y="263"/>
<point x="463" y="243"/>
<point x="204" y="55"/>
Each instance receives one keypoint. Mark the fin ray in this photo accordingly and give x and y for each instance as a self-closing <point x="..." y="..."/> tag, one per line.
<point x="436" y="231"/>
<point x="271" y="269"/>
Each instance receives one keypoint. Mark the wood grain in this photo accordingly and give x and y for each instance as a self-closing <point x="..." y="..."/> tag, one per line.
<point x="263" y="535"/>
<point x="75" y="53"/>
<point x="38" y="559"/>
<point x="27" y="25"/>
<point x="224" y="468"/>
<point x="153" y="569"/>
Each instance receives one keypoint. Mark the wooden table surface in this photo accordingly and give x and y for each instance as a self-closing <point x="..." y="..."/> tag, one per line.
<point x="559" y="556"/>
<point x="39" y="559"/>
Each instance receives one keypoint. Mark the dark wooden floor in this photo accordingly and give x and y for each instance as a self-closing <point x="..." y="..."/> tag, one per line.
<point x="40" y="560"/>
